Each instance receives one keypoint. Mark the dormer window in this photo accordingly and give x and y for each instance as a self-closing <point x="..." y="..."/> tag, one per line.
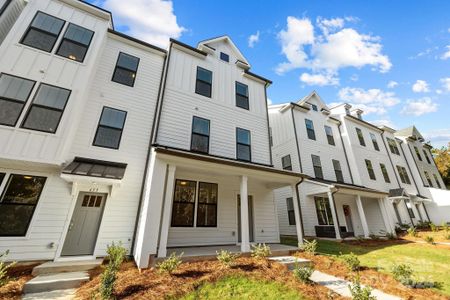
<point x="224" y="57"/>
<point x="314" y="107"/>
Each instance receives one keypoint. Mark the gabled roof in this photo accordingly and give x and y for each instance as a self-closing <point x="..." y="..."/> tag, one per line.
<point x="411" y="132"/>
<point x="304" y="100"/>
<point x="226" y="39"/>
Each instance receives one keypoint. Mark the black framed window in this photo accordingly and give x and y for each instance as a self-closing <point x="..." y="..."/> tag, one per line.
<point x="329" y="133"/>
<point x="403" y="175"/>
<point x="200" y="135"/>
<point x="314" y="107"/>
<point x="317" y="166"/>
<point x="323" y="211"/>
<point x="203" y="84"/>
<point x="18" y="202"/>
<point x="207" y="204"/>
<point x="110" y="128"/>
<point x="434" y="175"/>
<point x="426" y="156"/>
<point x="75" y="42"/>
<point x="310" y="129"/>
<point x="418" y="153"/>
<point x="393" y="146"/>
<point x="14" y="93"/>
<point x="286" y="162"/>
<point x="360" y="135"/>
<point x="47" y="108"/>
<point x="2" y="176"/>
<point x="338" y="170"/>
<point x="385" y="173"/>
<point x="290" y="210"/>
<point x="370" y="169"/>
<point x="43" y="32"/>
<point x="242" y="95"/>
<point x="374" y="141"/>
<point x="243" y="144"/>
<point x="126" y="69"/>
<point x="224" y="57"/>
<point x="183" y="203"/>
<point x="428" y="178"/>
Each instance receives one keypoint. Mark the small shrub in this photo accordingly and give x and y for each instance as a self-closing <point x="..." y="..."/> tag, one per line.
<point x="260" y="251"/>
<point x="402" y="273"/>
<point x="302" y="273"/>
<point x="429" y="239"/>
<point x="447" y="236"/>
<point x="309" y="247"/>
<point x="433" y="227"/>
<point x="352" y="261"/>
<point x="226" y="258"/>
<point x="116" y="255"/>
<point x="423" y="225"/>
<point x="412" y="231"/>
<point x="4" y="268"/>
<point x="390" y="236"/>
<point x="170" y="264"/>
<point x="374" y="237"/>
<point x="360" y="293"/>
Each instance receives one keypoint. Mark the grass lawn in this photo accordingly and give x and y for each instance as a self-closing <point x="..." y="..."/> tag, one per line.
<point x="239" y="287"/>
<point x="430" y="263"/>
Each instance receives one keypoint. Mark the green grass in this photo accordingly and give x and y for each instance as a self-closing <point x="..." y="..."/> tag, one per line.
<point x="429" y="263"/>
<point x="238" y="287"/>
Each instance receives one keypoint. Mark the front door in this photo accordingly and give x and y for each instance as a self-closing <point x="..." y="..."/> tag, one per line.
<point x="83" y="229"/>
<point x="250" y="218"/>
<point x="348" y="218"/>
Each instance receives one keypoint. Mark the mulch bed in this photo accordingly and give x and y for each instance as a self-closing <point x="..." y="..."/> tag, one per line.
<point x="18" y="276"/>
<point x="148" y="284"/>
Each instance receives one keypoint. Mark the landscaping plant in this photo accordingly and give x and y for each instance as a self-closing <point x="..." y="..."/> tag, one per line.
<point x="433" y="227"/>
<point x="116" y="255"/>
<point x="302" y="273"/>
<point x="309" y="247"/>
<point x="360" y="293"/>
<point x="412" y="232"/>
<point x="429" y="239"/>
<point x="402" y="273"/>
<point x="352" y="261"/>
<point x="4" y="268"/>
<point x="226" y="258"/>
<point x="260" y="251"/>
<point x="170" y="264"/>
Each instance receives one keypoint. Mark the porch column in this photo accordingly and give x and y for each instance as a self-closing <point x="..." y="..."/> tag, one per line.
<point x="334" y="215"/>
<point x="362" y="215"/>
<point x="386" y="221"/>
<point x="167" y="211"/>
<point x="245" y="234"/>
<point x="298" y="219"/>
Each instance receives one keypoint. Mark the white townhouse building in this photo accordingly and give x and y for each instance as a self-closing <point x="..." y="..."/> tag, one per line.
<point x="77" y="107"/>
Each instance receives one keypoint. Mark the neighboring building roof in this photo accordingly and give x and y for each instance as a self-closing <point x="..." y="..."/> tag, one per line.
<point x="95" y="168"/>
<point x="410" y="132"/>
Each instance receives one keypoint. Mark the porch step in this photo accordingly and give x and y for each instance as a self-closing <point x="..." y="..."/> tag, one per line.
<point x="290" y="261"/>
<point x="51" y="282"/>
<point x="53" y="267"/>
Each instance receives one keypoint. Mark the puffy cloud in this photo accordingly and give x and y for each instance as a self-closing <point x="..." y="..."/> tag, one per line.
<point x="269" y="101"/>
<point x="319" y="79"/>
<point x="381" y="122"/>
<point x="445" y="83"/>
<point x="253" y="39"/>
<point x="420" y="86"/>
<point x="150" y="20"/>
<point x="446" y="54"/>
<point x="419" y="107"/>
<point x="392" y="84"/>
<point x="370" y="101"/>
<point x="438" y="137"/>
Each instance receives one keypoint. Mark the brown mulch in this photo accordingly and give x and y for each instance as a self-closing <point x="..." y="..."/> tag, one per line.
<point x="370" y="277"/>
<point x="18" y="275"/>
<point x="148" y="284"/>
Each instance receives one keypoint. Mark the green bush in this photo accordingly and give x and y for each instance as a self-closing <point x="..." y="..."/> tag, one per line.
<point x="445" y="227"/>
<point x="226" y="258"/>
<point x="260" y="251"/>
<point x="412" y="232"/>
<point x="170" y="264"/>
<point x="116" y="255"/>
<point x="423" y="225"/>
<point x="429" y="239"/>
<point x="433" y="227"/>
<point x="352" y="261"/>
<point x="309" y="247"/>
<point x="359" y="292"/>
<point x="302" y="273"/>
<point x="402" y="273"/>
<point x="390" y="236"/>
<point x="4" y="268"/>
<point x="447" y="236"/>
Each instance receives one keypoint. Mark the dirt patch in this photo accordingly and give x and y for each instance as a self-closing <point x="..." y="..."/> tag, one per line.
<point x="148" y="284"/>
<point x="18" y="276"/>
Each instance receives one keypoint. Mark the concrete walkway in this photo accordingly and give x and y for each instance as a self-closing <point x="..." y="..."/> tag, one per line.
<point x="340" y="286"/>
<point x="68" y="294"/>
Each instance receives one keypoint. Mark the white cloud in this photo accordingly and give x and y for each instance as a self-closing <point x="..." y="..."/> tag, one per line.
<point x="319" y="79"/>
<point x="392" y="84"/>
<point x="446" y="54"/>
<point x="370" y="101"/>
<point x="269" y="101"/>
<point x="420" y="86"/>
<point x="438" y="137"/>
<point x="419" y="107"/>
<point x="328" y="25"/>
<point x="385" y="122"/>
<point x="150" y="20"/>
<point x="253" y="39"/>
<point x="445" y="83"/>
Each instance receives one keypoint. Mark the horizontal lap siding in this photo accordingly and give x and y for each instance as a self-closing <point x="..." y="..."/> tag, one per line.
<point x="280" y="196"/>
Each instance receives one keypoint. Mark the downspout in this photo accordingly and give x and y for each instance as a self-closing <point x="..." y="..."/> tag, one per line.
<point x="426" y="212"/>
<point x="299" y="206"/>
<point x="335" y="210"/>
<point x="390" y="159"/>
<point x="268" y="123"/>
<point x="296" y="140"/>
<point x="345" y="152"/>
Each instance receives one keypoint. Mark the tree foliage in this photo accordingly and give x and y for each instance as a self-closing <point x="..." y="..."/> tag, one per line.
<point x="442" y="159"/>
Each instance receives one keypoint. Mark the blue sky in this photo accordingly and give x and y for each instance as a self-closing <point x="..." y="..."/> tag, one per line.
<point x="390" y="58"/>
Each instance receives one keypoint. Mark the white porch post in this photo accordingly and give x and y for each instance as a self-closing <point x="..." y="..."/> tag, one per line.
<point x="362" y="215"/>
<point x="245" y="234"/>
<point x="387" y="223"/>
<point x="334" y="215"/>
<point x="167" y="211"/>
<point x="298" y="223"/>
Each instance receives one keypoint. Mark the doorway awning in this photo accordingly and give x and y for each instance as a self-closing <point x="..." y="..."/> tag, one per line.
<point x="95" y="168"/>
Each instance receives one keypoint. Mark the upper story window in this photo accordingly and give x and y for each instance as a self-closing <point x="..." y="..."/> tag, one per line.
<point x="426" y="156"/>
<point x="203" y="84"/>
<point x="46" y="109"/>
<point x="337" y="170"/>
<point x="434" y="175"/>
<point x="310" y="129"/>
<point x="393" y="146"/>
<point x="329" y="133"/>
<point x="286" y="162"/>
<point x="290" y="210"/>
<point x="200" y="135"/>
<point x="374" y="141"/>
<point x="370" y="169"/>
<point x="242" y="95"/>
<point x="14" y="92"/>
<point x="403" y="175"/>
<point x="385" y="173"/>
<point x="18" y="202"/>
<point x="126" y="68"/>
<point x="75" y="42"/>
<point x="314" y="107"/>
<point x="317" y="165"/>
<point x="360" y="135"/>
<point x="224" y="57"/>
<point x="43" y="32"/>
<point x="323" y="210"/>
<point x="418" y="153"/>
<point x="110" y="127"/>
<point x="243" y="144"/>
<point x="427" y="176"/>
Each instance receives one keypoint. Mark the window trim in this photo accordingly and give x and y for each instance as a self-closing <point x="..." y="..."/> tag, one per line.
<point x="336" y="171"/>
<point x="201" y="134"/>
<point x="418" y="153"/>
<point x="75" y="42"/>
<point x="126" y="69"/>
<point x="310" y="129"/>
<point x="193" y="203"/>
<point x="330" y="135"/>
<point x="249" y="145"/>
<point x="236" y="95"/>
<point x="385" y="173"/>
<point x="290" y="210"/>
<point x="197" y="203"/>
<point x="314" y="166"/>
<point x="426" y="156"/>
<point x="288" y="166"/>
<point x="360" y="135"/>
<point x="428" y="178"/>
<point x="98" y="126"/>
<point x="226" y="55"/>
<point x="393" y="146"/>
<point x="374" y="141"/>
<point x="434" y="175"/>
<point x="371" y="170"/>
<point x="197" y="79"/>
<point x="403" y="173"/>
<point x="45" y="107"/>
<point x="326" y="202"/>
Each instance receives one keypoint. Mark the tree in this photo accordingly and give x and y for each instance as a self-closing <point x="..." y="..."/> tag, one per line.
<point x="442" y="159"/>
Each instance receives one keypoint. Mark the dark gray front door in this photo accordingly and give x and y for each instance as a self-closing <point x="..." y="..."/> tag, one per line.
<point x="83" y="229"/>
<point x="250" y="218"/>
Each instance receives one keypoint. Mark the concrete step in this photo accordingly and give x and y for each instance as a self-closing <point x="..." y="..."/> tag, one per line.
<point x="53" y="267"/>
<point x="290" y="261"/>
<point x="67" y="294"/>
<point x="51" y="282"/>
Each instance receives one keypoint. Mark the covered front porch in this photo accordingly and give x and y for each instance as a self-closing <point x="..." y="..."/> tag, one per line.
<point x="409" y="208"/>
